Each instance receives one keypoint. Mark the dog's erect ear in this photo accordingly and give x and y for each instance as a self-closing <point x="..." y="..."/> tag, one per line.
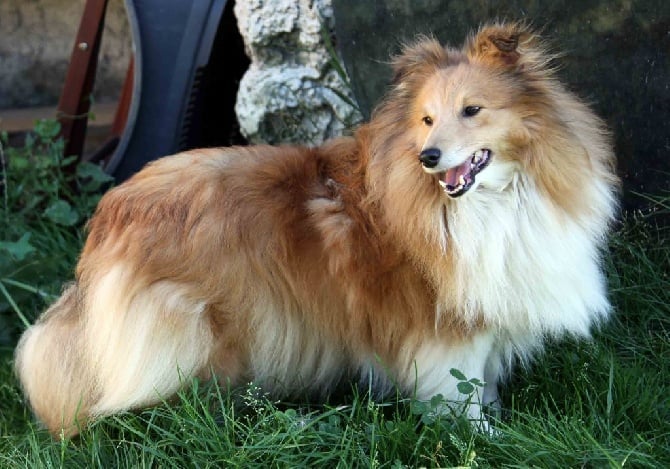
<point x="422" y="56"/>
<point x="510" y="45"/>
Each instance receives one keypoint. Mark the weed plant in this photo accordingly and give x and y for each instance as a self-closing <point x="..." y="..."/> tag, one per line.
<point x="603" y="403"/>
<point x="46" y="200"/>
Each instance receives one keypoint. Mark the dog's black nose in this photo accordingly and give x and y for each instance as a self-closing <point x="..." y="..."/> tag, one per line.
<point x="430" y="157"/>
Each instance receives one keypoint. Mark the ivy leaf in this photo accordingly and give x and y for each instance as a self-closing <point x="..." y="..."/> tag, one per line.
<point x="436" y="401"/>
<point x="91" y="176"/>
<point x="465" y="388"/>
<point x="62" y="213"/>
<point x="29" y="142"/>
<point x="477" y="382"/>
<point x="20" y="249"/>
<point x="47" y="129"/>
<point x="19" y="162"/>
<point x="418" y="407"/>
<point x="428" y="419"/>
<point x="68" y="160"/>
<point x="458" y="374"/>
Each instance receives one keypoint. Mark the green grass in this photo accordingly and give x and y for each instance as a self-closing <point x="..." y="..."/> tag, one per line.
<point x="604" y="403"/>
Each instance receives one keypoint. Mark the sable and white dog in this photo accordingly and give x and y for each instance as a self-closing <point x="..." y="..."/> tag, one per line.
<point x="460" y="227"/>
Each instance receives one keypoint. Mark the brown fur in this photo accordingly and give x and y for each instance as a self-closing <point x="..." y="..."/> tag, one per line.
<point x="332" y="252"/>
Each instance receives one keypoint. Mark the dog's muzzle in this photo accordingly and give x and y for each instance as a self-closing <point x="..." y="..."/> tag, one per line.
<point x="430" y="157"/>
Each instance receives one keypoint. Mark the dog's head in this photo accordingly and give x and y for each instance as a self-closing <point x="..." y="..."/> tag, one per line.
<point x="471" y="109"/>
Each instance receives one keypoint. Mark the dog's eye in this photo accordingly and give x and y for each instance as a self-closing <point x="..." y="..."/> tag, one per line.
<point x="427" y="120"/>
<point x="469" y="111"/>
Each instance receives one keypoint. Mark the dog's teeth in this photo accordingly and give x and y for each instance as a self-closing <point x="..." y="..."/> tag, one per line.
<point x="443" y="184"/>
<point x="461" y="180"/>
<point x="478" y="156"/>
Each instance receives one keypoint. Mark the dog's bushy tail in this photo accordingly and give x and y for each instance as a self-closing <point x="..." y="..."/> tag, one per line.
<point x="115" y="344"/>
<point x="49" y="366"/>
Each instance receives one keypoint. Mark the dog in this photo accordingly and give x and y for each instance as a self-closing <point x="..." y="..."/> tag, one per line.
<point x="458" y="229"/>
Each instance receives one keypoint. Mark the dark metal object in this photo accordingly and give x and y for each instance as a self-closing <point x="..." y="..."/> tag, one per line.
<point x="172" y="42"/>
<point x="75" y="102"/>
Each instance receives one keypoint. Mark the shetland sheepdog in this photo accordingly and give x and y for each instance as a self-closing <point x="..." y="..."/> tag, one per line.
<point x="458" y="229"/>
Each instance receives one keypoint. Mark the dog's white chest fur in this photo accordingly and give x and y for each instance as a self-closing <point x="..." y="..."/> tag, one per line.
<point x="526" y="268"/>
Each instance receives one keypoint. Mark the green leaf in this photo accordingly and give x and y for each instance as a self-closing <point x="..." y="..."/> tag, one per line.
<point x="465" y="388"/>
<point x="92" y="176"/>
<point x="68" y="160"/>
<point x="428" y="419"/>
<point x="62" y="213"/>
<point x="20" y="249"/>
<point x="47" y="129"/>
<point x="89" y="170"/>
<point x="476" y="382"/>
<point x="436" y="401"/>
<point x="29" y="142"/>
<point x="418" y="407"/>
<point x="458" y="374"/>
<point x="19" y="162"/>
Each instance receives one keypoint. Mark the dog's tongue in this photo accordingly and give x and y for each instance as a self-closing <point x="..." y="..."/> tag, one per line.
<point x="452" y="175"/>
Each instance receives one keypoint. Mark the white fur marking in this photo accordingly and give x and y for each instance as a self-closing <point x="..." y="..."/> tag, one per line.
<point x="144" y="341"/>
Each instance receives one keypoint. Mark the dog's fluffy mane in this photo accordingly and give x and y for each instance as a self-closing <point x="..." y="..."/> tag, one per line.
<point x="299" y="267"/>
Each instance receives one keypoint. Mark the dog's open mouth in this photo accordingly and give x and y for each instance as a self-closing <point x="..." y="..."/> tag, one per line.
<point x="457" y="180"/>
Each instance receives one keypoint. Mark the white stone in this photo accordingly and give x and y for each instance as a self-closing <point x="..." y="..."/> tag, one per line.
<point x="291" y="91"/>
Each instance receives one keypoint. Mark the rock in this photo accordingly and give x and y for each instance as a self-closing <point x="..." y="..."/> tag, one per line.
<point x="295" y="89"/>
